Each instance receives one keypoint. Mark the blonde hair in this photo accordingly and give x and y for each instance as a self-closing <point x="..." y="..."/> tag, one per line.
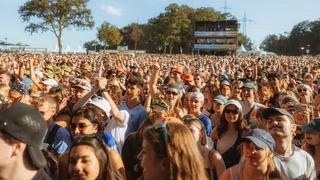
<point x="193" y="120"/>
<point x="172" y="142"/>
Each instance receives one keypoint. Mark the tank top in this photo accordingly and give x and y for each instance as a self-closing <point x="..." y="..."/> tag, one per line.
<point x="233" y="154"/>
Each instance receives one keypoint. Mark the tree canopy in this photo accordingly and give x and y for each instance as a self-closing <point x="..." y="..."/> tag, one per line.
<point x="55" y="16"/>
<point x="304" y="38"/>
<point x="171" y="31"/>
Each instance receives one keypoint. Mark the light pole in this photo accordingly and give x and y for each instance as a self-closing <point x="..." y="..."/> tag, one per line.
<point x="302" y="48"/>
<point x="308" y="49"/>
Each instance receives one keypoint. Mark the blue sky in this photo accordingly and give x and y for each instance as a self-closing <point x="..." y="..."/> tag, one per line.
<point x="268" y="17"/>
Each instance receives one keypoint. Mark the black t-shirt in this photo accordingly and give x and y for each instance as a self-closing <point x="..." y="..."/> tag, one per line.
<point x="41" y="175"/>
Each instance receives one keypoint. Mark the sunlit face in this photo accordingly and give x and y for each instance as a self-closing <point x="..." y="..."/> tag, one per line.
<point x="236" y="89"/>
<point x="6" y="152"/>
<point x="247" y="94"/>
<point x="231" y="113"/>
<point x="313" y="138"/>
<point x="82" y="126"/>
<point x="218" y="107"/>
<point x="133" y="91"/>
<point x="280" y="126"/>
<point x="79" y="93"/>
<point x="195" y="104"/>
<point x="274" y="82"/>
<point x="254" y="155"/>
<point x="225" y="90"/>
<point x="172" y="94"/>
<point x="207" y="94"/>
<point x="14" y="95"/>
<point x="45" y="110"/>
<point x="83" y="163"/>
<point x="153" y="166"/>
<point x="4" y="79"/>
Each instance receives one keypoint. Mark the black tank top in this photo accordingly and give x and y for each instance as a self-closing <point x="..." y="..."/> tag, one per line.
<point x="233" y="154"/>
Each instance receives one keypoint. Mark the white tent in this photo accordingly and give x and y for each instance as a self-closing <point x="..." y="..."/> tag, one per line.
<point x="242" y="50"/>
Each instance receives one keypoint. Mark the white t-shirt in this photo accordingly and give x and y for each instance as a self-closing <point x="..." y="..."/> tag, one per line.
<point x="299" y="166"/>
<point x="118" y="130"/>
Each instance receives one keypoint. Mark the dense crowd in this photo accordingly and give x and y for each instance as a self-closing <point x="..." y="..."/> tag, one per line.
<point x="148" y="116"/>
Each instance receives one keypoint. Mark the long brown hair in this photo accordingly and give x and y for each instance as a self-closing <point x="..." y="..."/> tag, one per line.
<point x="241" y="124"/>
<point x="107" y="170"/>
<point x="183" y="159"/>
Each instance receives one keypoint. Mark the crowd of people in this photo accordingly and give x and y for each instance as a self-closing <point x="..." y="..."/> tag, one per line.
<point x="151" y="116"/>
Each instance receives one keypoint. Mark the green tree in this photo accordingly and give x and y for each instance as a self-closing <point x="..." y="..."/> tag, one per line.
<point x="92" y="45"/>
<point x="245" y="40"/>
<point x="56" y="16"/>
<point x="136" y="34"/>
<point x="109" y="35"/>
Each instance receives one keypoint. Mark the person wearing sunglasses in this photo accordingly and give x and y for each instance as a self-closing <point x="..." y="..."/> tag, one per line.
<point x="227" y="135"/>
<point x="257" y="146"/>
<point x="304" y="94"/>
<point x="168" y="153"/>
<point x="86" y="121"/>
<point x="172" y="94"/>
<point x="90" y="159"/>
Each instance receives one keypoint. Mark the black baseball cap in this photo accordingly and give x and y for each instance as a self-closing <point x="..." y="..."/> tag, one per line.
<point x="268" y="112"/>
<point x="312" y="126"/>
<point x="24" y="123"/>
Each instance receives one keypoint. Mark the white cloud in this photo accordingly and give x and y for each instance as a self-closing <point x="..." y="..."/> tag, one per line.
<point x="111" y="10"/>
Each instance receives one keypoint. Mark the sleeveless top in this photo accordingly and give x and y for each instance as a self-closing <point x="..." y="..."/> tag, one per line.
<point x="233" y="154"/>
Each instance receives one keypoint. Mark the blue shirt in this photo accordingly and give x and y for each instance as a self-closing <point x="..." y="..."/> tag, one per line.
<point x="137" y="114"/>
<point x="206" y="122"/>
<point x="62" y="141"/>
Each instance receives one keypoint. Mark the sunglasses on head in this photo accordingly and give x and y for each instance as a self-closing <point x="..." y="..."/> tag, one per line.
<point x="163" y="127"/>
<point x="172" y="92"/>
<point x="233" y="111"/>
<point x="80" y="126"/>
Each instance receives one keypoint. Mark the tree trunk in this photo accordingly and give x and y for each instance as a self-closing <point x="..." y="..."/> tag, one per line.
<point x="135" y="46"/>
<point x="59" y="44"/>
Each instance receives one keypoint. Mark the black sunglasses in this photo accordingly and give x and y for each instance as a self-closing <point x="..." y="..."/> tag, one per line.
<point x="81" y="126"/>
<point x="172" y="92"/>
<point x="233" y="111"/>
<point x="300" y="90"/>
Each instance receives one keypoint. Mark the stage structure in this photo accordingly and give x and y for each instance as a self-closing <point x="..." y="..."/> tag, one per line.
<point x="216" y="38"/>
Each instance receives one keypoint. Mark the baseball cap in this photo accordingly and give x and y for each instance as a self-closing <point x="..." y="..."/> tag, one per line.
<point x="249" y="85"/>
<point x="160" y="105"/>
<point x="312" y="126"/>
<point x="187" y="77"/>
<point x="50" y="82"/>
<point x="220" y="99"/>
<point x="198" y="95"/>
<point x="225" y="82"/>
<point x="24" y="123"/>
<point x="266" y="113"/>
<point x="233" y="102"/>
<point x="178" y="69"/>
<point x="101" y="103"/>
<point x="84" y="84"/>
<point x="260" y="138"/>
